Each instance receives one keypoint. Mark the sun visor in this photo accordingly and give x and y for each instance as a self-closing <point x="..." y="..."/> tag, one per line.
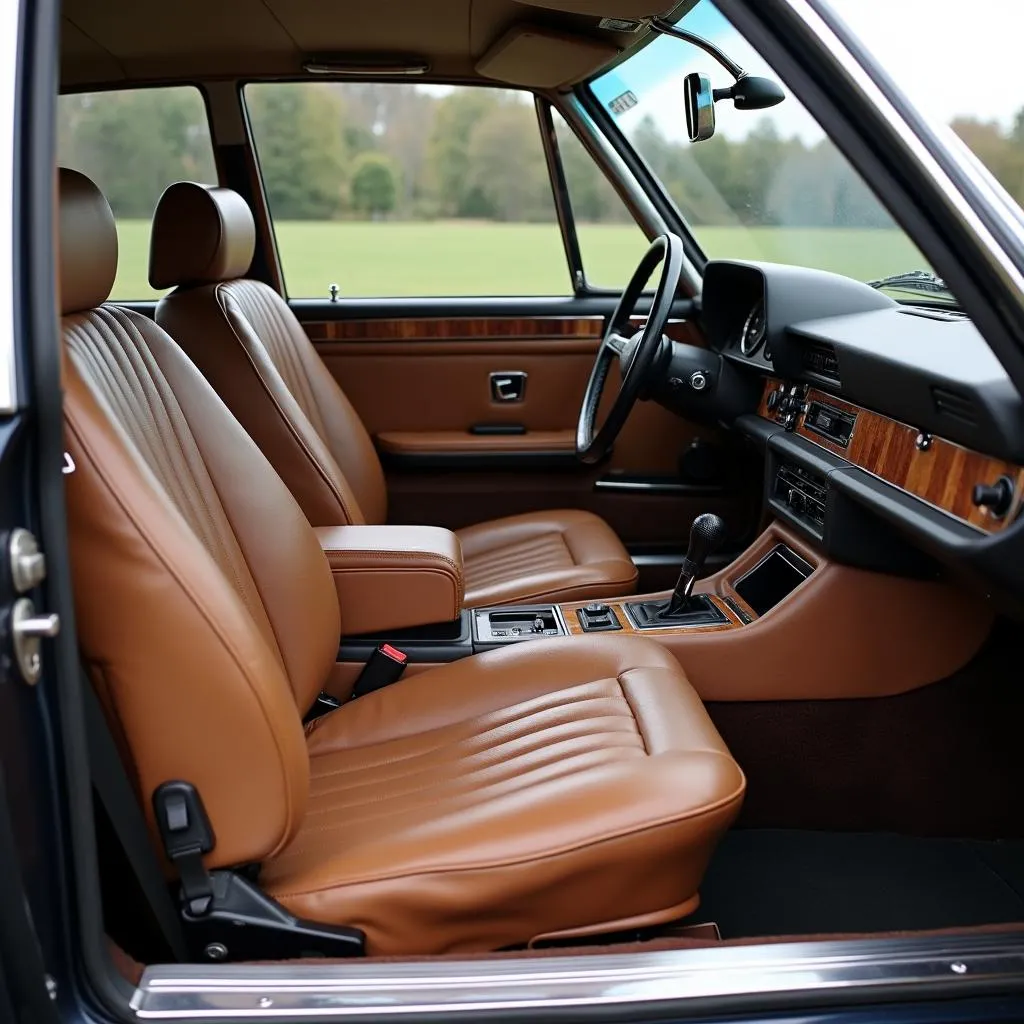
<point x="526" y="55"/>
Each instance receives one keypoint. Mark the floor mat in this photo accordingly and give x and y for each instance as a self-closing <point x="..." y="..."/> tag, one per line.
<point x="789" y="882"/>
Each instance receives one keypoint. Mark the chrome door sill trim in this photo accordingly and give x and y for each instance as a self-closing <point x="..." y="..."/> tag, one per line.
<point x="377" y="990"/>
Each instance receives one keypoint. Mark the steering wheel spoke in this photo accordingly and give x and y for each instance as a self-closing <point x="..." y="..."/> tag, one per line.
<point x="617" y="342"/>
<point x="636" y="353"/>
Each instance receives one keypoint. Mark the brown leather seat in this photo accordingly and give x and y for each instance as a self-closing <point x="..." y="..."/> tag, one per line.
<point x="247" y="342"/>
<point x="569" y="785"/>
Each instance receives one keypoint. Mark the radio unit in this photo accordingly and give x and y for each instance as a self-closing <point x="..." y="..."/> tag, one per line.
<point x="830" y="423"/>
<point x="802" y="493"/>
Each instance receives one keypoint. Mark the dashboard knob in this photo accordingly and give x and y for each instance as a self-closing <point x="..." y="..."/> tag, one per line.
<point x="997" y="497"/>
<point x="795" y="500"/>
<point x="773" y="400"/>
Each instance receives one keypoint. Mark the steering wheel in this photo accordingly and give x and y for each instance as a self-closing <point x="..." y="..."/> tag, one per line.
<point x="636" y="353"/>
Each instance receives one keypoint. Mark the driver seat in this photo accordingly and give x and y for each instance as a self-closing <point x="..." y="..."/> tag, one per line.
<point x="249" y="345"/>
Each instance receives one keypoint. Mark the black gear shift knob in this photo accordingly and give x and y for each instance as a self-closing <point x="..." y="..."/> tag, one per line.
<point x="706" y="536"/>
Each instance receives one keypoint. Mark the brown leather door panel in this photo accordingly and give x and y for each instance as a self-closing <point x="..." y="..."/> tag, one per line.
<point x="422" y="385"/>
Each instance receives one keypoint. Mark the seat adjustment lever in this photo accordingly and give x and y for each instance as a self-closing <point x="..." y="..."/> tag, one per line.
<point x="226" y="917"/>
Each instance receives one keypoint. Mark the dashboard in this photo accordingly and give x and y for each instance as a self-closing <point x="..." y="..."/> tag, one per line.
<point x="886" y="426"/>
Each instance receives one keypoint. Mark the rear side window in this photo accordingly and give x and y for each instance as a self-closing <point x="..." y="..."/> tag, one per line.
<point x="401" y="190"/>
<point x="134" y="143"/>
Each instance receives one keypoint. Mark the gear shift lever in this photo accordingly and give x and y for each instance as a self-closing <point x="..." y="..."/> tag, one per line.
<point x="706" y="536"/>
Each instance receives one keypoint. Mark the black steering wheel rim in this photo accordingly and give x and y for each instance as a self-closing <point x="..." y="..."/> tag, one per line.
<point x="636" y="355"/>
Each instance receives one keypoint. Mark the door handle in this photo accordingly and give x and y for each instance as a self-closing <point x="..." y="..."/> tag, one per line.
<point x="508" y="386"/>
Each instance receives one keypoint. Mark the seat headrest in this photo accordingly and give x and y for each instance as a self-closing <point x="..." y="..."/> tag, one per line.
<point x="87" y="243"/>
<point x="201" y="235"/>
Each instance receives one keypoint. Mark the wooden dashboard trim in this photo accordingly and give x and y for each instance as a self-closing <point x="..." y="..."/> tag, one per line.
<point x="943" y="474"/>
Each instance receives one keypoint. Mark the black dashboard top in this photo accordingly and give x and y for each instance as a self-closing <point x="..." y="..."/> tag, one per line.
<point x="925" y="367"/>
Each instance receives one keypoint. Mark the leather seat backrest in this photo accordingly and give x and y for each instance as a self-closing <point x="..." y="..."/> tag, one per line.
<point x="207" y="616"/>
<point x="252" y="349"/>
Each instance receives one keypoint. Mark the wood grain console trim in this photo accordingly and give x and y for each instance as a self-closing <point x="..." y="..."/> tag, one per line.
<point x="943" y="474"/>
<point x="476" y="329"/>
<point x="572" y="622"/>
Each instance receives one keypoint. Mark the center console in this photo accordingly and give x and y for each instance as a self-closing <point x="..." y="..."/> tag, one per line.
<point x="737" y="633"/>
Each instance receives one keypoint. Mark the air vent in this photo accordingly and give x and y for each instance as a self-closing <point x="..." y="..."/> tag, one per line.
<point x="955" y="405"/>
<point x="820" y="359"/>
<point x="930" y="313"/>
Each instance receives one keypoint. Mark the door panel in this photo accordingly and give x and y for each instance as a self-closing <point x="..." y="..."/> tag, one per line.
<point x="421" y="384"/>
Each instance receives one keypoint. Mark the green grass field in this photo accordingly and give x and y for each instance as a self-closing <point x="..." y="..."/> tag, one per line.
<point x="476" y="258"/>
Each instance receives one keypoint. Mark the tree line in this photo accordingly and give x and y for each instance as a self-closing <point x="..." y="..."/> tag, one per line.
<point x="362" y="150"/>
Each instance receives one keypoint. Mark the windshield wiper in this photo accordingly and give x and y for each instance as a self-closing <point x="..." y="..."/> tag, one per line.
<point x="913" y="281"/>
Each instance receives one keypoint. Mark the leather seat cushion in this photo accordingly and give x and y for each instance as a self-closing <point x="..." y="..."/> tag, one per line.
<point x="562" y="555"/>
<point x="568" y="785"/>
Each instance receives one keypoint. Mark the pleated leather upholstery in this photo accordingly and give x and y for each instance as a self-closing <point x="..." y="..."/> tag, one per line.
<point x="564" y="555"/>
<point x="564" y="786"/>
<point x="248" y="343"/>
<point x="557" y="786"/>
<point x="249" y="346"/>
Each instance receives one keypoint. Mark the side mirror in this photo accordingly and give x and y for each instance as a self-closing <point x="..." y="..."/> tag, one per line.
<point x="700" y="106"/>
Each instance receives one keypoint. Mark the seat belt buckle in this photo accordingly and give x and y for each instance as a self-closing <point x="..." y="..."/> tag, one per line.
<point x="384" y="667"/>
<point x="187" y="834"/>
<point x="323" y="705"/>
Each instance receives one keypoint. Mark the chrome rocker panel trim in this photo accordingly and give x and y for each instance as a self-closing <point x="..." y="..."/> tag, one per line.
<point x="550" y="984"/>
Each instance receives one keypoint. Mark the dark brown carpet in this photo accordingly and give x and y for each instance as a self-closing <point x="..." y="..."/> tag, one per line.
<point x="945" y="760"/>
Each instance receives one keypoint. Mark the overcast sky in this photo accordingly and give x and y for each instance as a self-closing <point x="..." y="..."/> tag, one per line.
<point x="950" y="58"/>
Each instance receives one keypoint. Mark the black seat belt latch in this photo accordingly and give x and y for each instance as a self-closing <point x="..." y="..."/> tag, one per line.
<point x="186" y="834"/>
<point x="384" y="667"/>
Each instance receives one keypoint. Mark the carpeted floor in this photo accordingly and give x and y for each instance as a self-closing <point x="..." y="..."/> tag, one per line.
<point x="790" y="882"/>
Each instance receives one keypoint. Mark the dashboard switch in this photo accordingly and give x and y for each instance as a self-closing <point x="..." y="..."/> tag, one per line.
<point x="597" y="618"/>
<point x="997" y="497"/>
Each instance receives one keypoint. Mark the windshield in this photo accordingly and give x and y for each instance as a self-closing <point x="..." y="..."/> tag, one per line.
<point x="769" y="185"/>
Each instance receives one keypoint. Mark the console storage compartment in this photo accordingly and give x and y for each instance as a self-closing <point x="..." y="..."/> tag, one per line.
<point x="774" y="578"/>
<point x="393" y="577"/>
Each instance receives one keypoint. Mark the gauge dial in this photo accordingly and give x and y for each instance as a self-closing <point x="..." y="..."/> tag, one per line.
<point x="753" y="330"/>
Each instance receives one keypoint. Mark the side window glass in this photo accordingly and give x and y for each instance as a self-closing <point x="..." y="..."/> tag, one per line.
<point x="134" y="143"/>
<point x="401" y="190"/>
<point x="610" y="240"/>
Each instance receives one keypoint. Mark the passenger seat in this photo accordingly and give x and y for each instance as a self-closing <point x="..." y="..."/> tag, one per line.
<point x="251" y="348"/>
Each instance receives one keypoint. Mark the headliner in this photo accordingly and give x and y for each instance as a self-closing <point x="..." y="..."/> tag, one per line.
<point x="110" y="42"/>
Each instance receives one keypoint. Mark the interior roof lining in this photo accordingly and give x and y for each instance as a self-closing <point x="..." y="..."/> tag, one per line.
<point x="142" y="41"/>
